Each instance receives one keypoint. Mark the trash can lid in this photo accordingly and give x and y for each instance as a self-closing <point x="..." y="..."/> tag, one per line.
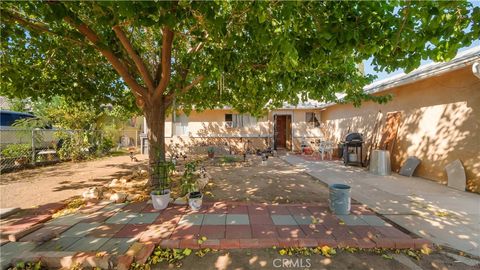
<point x="339" y="186"/>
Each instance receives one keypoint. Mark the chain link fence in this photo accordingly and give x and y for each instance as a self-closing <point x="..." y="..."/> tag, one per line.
<point x="29" y="147"/>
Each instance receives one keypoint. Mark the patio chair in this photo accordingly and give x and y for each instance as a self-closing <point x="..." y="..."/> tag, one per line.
<point x="326" y="148"/>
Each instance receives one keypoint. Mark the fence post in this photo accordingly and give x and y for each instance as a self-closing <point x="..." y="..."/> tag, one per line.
<point x="33" y="146"/>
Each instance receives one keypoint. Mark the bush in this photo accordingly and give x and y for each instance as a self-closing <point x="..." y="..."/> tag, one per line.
<point x="73" y="145"/>
<point x="17" y="151"/>
<point x="106" y="145"/>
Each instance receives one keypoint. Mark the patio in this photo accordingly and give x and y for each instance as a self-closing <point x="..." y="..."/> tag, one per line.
<point x="127" y="232"/>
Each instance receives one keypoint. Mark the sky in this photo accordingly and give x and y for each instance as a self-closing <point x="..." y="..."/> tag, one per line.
<point x="383" y="75"/>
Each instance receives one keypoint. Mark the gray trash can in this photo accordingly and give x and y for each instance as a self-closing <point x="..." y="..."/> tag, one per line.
<point x="340" y="199"/>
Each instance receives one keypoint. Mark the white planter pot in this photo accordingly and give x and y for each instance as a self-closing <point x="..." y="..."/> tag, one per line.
<point x="160" y="201"/>
<point x="195" y="203"/>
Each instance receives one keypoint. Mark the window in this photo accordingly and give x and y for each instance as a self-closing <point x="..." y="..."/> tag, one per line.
<point x="239" y="120"/>
<point x="312" y="120"/>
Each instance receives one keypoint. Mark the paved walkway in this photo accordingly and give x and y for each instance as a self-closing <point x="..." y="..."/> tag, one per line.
<point x="436" y="212"/>
<point x="127" y="232"/>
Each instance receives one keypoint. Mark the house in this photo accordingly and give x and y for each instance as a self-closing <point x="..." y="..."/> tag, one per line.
<point x="438" y="104"/>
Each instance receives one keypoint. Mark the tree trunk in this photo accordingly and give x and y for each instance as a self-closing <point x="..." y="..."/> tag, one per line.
<point x="155" y="116"/>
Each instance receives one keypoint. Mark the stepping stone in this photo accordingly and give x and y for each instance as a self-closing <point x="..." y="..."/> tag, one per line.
<point x="86" y="244"/>
<point x="117" y="246"/>
<point x="121" y="218"/>
<point x="45" y="233"/>
<point x="456" y="175"/>
<point x="409" y="166"/>
<point x="5" y="212"/>
<point x="80" y="230"/>
<point x="237" y="219"/>
<point x="374" y="220"/>
<point x="191" y="219"/>
<point x="214" y="219"/>
<point x="70" y="219"/>
<point x="284" y="220"/>
<point x="57" y="244"/>
<point x="303" y="220"/>
<point x="144" y="218"/>
<point x="351" y="220"/>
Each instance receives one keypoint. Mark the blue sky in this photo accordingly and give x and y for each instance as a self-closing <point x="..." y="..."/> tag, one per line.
<point x="382" y="75"/>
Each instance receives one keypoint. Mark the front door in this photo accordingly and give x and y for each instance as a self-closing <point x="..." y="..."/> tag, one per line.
<point x="282" y="129"/>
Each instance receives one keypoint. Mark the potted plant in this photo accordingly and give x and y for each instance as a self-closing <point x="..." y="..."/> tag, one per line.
<point x="161" y="196"/>
<point x="190" y="188"/>
<point x="211" y="152"/>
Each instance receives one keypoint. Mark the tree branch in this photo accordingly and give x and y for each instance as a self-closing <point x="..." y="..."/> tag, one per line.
<point x="167" y="40"/>
<point x="114" y="60"/>
<point x="147" y="78"/>
<point x="184" y="90"/>
<point x="38" y="27"/>
<point x="196" y="48"/>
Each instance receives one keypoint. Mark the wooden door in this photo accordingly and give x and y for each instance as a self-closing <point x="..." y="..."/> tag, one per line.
<point x="281" y="131"/>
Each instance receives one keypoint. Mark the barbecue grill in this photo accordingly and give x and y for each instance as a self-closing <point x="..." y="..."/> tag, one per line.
<point x="352" y="149"/>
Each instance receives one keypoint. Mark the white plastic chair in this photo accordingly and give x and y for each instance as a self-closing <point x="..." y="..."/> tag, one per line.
<point x="326" y="148"/>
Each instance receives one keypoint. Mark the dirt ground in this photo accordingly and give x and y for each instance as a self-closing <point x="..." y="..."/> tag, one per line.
<point x="275" y="182"/>
<point x="270" y="259"/>
<point x="58" y="182"/>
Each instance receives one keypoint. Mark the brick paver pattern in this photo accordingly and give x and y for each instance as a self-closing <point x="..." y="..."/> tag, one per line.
<point x="113" y="228"/>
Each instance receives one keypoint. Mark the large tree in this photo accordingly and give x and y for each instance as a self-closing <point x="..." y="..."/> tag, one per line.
<point x="252" y="56"/>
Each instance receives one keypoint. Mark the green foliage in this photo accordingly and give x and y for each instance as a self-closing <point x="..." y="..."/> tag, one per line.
<point x="106" y="145"/>
<point x="31" y="123"/>
<point x="17" y="151"/>
<point x="27" y="266"/>
<point x="168" y="255"/>
<point x="254" y="55"/>
<point x="189" y="181"/>
<point x="17" y="104"/>
<point x="229" y="159"/>
<point x="74" y="145"/>
<point x="161" y="173"/>
<point x="211" y="150"/>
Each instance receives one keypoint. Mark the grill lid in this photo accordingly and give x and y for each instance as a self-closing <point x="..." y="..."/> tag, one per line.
<point x="354" y="136"/>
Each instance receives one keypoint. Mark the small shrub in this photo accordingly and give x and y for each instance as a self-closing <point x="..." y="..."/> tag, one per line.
<point x="73" y="146"/>
<point x="17" y="150"/>
<point x="189" y="183"/>
<point x="106" y="145"/>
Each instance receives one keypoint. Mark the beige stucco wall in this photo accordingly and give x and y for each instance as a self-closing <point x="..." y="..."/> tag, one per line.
<point x="208" y="128"/>
<point x="440" y="123"/>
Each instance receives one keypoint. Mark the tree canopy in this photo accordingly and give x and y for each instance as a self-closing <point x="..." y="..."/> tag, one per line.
<point x="249" y="55"/>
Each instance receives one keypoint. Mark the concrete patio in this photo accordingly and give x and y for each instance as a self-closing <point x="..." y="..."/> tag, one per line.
<point x="436" y="212"/>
